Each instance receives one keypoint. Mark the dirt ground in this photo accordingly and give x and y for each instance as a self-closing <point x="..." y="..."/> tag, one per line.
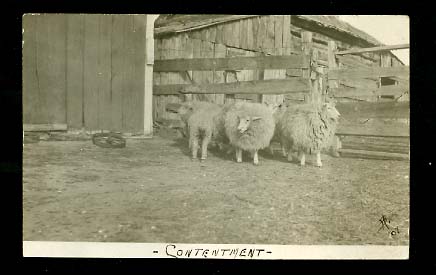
<point x="151" y="191"/>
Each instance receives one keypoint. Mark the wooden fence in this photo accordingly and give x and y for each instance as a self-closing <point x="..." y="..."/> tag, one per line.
<point x="367" y="125"/>
<point x="376" y="124"/>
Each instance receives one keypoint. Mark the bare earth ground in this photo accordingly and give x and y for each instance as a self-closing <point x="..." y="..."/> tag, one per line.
<point x="151" y="191"/>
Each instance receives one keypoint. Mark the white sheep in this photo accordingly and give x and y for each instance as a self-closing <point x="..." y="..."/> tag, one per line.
<point x="204" y="124"/>
<point x="308" y="128"/>
<point x="249" y="127"/>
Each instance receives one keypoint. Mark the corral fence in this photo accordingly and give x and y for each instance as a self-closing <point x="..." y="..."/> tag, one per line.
<point x="374" y="116"/>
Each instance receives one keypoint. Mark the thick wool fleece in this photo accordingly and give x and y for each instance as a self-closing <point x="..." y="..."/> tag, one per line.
<point x="259" y="133"/>
<point x="308" y="128"/>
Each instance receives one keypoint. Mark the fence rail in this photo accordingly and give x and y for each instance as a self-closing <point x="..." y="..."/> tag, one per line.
<point x="269" y="87"/>
<point x="231" y="63"/>
<point x="373" y="72"/>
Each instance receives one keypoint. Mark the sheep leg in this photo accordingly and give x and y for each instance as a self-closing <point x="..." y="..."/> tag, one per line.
<point x="238" y="155"/>
<point x="290" y="158"/>
<point x="302" y="159"/>
<point x="194" y="147"/>
<point x="284" y="151"/>
<point x="204" y="144"/>
<point x="318" y="159"/>
<point x="271" y="150"/>
<point x="255" y="158"/>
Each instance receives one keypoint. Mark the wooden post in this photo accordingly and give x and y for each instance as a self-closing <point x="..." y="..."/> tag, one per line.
<point x="307" y="46"/>
<point x="148" y="85"/>
<point x="333" y="64"/>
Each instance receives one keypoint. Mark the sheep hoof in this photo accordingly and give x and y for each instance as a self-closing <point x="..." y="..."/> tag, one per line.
<point x="256" y="163"/>
<point x="319" y="165"/>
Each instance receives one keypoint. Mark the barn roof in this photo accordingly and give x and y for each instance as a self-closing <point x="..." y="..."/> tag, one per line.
<point x="174" y="23"/>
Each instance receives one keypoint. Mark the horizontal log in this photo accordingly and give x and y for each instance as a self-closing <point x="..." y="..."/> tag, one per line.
<point x="396" y="141"/>
<point x="392" y="90"/>
<point x="373" y="72"/>
<point x="374" y="109"/>
<point x="231" y="63"/>
<point x="373" y="154"/>
<point x="373" y="130"/>
<point x="375" y="147"/>
<point x="44" y="127"/>
<point x="374" y="49"/>
<point x="271" y="86"/>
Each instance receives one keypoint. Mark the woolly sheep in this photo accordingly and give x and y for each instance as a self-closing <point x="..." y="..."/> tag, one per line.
<point x="205" y="123"/>
<point x="249" y="127"/>
<point x="308" y="128"/>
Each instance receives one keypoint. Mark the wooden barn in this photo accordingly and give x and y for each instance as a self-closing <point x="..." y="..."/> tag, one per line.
<point x="206" y="36"/>
<point x="224" y="58"/>
<point x="87" y="71"/>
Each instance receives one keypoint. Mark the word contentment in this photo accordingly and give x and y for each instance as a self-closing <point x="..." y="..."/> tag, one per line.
<point x="215" y="252"/>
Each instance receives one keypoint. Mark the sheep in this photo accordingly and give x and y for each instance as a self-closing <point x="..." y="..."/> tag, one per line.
<point x="308" y="128"/>
<point x="204" y="123"/>
<point x="249" y="127"/>
<point x="278" y="112"/>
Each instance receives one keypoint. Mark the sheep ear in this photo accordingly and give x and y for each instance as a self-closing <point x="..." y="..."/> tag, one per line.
<point x="255" y="118"/>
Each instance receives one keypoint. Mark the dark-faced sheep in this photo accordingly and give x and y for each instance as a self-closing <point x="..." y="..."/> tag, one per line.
<point x="249" y="127"/>
<point x="308" y="129"/>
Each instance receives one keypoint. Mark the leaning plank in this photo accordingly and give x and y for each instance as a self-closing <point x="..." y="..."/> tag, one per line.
<point x="373" y="154"/>
<point x="44" y="127"/>
<point x="369" y="72"/>
<point x="374" y="109"/>
<point x="374" y="49"/>
<point x="234" y="63"/>
<point x="273" y="86"/>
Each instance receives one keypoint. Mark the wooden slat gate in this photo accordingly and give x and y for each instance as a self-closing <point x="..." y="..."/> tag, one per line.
<point x="375" y="120"/>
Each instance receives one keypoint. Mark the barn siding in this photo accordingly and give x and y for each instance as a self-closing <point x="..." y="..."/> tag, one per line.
<point x="84" y="70"/>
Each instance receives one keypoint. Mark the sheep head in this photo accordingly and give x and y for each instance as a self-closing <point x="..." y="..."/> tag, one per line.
<point x="330" y="110"/>
<point x="244" y="123"/>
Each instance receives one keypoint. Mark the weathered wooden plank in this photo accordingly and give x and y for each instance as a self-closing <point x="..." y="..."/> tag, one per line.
<point x="274" y="86"/>
<point x="45" y="127"/>
<point x="269" y="39"/>
<point x="374" y="109"/>
<point x="376" y="147"/>
<point x="138" y="75"/>
<point x="261" y="37"/>
<point x="278" y="33"/>
<point x="33" y="111"/>
<point x="243" y="32"/>
<point x="374" y="49"/>
<point x="254" y="34"/>
<point x="286" y="39"/>
<point x="129" y="95"/>
<point x="373" y="129"/>
<point x="91" y="96"/>
<point x="250" y="37"/>
<point x="373" y="154"/>
<point x="394" y="90"/>
<point x="104" y="71"/>
<point x="358" y="83"/>
<point x="207" y="49"/>
<point x="218" y="77"/>
<point x="190" y="26"/>
<point x="233" y="63"/>
<point x="369" y="72"/>
<point x="75" y="35"/>
<point x="118" y="71"/>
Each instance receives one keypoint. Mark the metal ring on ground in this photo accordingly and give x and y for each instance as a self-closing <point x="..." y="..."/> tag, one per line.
<point x="109" y="140"/>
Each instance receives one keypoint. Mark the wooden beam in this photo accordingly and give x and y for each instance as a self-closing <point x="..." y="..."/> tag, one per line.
<point x="369" y="72"/>
<point x="44" y="127"/>
<point x="374" y="49"/>
<point x="373" y="130"/>
<point x="394" y="90"/>
<point x="374" y="109"/>
<point x="273" y="86"/>
<point x="373" y="154"/>
<point x="234" y="63"/>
